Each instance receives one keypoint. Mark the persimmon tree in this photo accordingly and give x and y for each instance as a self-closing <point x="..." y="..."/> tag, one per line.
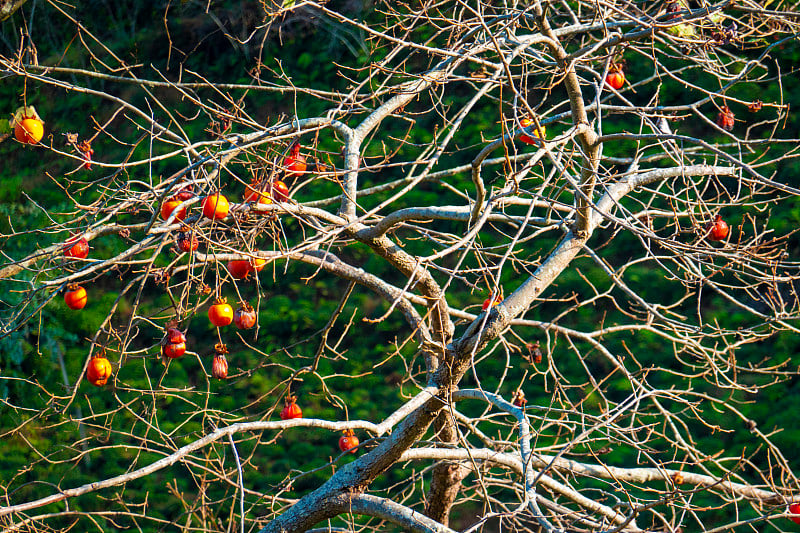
<point x="629" y="239"/>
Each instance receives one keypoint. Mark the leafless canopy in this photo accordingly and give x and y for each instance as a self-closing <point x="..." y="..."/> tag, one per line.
<point x="585" y="189"/>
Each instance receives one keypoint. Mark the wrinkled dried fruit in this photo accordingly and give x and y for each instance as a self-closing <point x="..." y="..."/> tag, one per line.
<point x="535" y="352"/>
<point x="245" y="316"/>
<point x="85" y="148"/>
<point x="175" y="335"/>
<point x="219" y="366"/>
<point x="755" y="106"/>
<point x="725" y="119"/>
<point x="519" y="399"/>
<point x="185" y="194"/>
<point x="187" y="241"/>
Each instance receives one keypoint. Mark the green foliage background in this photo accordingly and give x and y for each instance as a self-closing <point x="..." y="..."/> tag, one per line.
<point x="312" y="54"/>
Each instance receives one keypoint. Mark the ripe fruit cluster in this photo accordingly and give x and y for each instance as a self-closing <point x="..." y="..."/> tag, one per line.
<point x="99" y="370"/>
<point x="220" y="313"/>
<point x="538" y="133"/>
<point x="615" y="77"/>
<point x="77" y="248"/>
<point x="174" y="347"/>
<point x="28" y="127"/>
<point x="290" y="408"/>
<point x="242" y="268"/>
<point x="295" y="163"/>
<point x="254" y="194"/>
<point x="718" y="229"/>
<point x="489" y="302"/>
<point x="216" y="206"/>
<point x="172" y="203"/>
<point x="348" y="442"/>
<point x="276" y="189"/>
<point x="75" y="297"/>
<point x="175" y="344"/>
